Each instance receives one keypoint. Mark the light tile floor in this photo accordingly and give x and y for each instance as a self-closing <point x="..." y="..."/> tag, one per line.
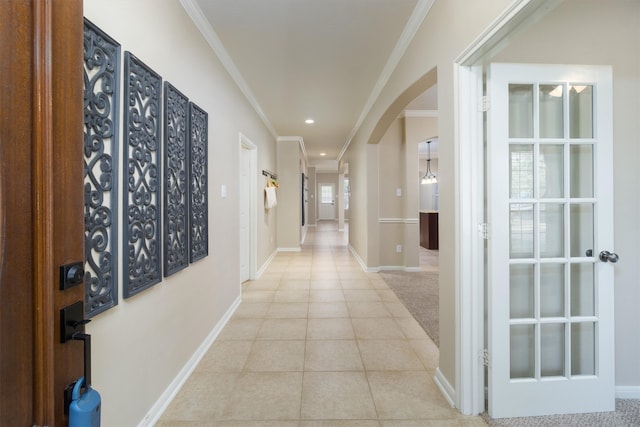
<point x="317" y="342"/>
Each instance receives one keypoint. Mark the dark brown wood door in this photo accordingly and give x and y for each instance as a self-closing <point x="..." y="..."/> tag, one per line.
<point x="41" y="204"/>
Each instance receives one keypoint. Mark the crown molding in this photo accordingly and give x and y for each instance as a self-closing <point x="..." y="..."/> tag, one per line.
<point x="413" y="24"/>
<point x="197" y="16"/>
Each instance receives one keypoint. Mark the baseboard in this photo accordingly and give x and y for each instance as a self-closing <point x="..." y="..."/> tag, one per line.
<point x="295" y="249"/>
<point x="399" y="268"/>
<point x="362" y="264"/>
<point x="628" y="392"/>
<point x="266" y="264"/>
<point x="445" y="388"/>
<point x="172" y="390"/>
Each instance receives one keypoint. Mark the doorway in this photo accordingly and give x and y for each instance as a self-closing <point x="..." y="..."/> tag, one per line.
<point x="327" y="201"/>
<point x="248" y="208"/>
<point x="550" y="295"/>
<point x="476" y="229"/>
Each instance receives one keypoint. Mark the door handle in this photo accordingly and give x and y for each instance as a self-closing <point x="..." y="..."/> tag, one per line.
<point x="606" y="256"/>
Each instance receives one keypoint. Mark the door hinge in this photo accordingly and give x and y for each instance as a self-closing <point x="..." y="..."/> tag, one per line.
<point x="485" y="357"/>
<point x="484" y="103"/>
<point x="483" y="229"/>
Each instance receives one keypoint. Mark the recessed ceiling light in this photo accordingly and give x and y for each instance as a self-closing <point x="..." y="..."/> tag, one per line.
<point x="309" y="121"/>
<point x="323" y="154"/>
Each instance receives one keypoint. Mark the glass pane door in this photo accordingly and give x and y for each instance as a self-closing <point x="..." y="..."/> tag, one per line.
<point x="549" y="210"/>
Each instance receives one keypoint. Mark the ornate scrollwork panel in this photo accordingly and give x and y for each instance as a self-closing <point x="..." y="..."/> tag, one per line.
<point x="198" y="163"/>
<point x="142" y="200"/>
<point x="176" y="231"/>
<point x="101" y="113"/>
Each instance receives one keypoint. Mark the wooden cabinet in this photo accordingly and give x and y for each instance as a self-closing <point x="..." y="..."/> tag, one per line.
<point x="429" y="230"/>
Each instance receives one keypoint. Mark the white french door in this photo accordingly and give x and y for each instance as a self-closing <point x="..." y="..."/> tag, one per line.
<point x="550" y="219"/>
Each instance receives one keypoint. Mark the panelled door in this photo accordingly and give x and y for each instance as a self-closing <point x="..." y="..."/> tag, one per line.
<point x="327" y="201"/>
<point x="551" y="260"/>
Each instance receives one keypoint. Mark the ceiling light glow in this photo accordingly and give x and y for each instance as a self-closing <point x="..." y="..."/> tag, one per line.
<point x="309" y="121"/>
<point x="323" y="154"/>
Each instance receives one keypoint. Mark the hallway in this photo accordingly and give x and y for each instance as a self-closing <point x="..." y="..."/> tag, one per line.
<point x="317" y="342"/>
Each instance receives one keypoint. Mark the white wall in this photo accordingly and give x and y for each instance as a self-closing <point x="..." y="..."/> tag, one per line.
<point x="141" y="345"/>
<point x="461" y="21"/>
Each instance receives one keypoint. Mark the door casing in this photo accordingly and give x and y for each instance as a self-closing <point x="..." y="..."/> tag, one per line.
<point x="468" y="393"/>
<point x="250" y="149"/>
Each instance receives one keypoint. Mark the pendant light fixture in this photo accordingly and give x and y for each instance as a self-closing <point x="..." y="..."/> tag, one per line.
<point x="429" y="177"/>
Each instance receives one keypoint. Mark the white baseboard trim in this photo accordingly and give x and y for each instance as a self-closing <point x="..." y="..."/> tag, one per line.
<point x="627" y="392"/>
<point x="445" y="388"/>
<point x="381" y="268"/>
<point x="399" y="268"/>
<point x="362" y="264"/>
<point x="296" y="249"/>
<point x="266" y="264"/>
<point x="172" y="390"/>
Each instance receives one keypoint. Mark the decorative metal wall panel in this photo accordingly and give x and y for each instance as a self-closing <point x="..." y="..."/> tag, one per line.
<point x="101" y="113"/>
<point x="198" y="163"/>
<point x="142" y="200"/>
<point x="176" y="231"/>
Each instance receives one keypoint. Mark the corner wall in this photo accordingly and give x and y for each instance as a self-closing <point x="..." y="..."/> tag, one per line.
<point x="141" y="345"/>
<point x="461" y="21"/>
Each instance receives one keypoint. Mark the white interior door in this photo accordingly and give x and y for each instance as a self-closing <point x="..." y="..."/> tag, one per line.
<point x="245" y="217"/>
<point x="550" y="215"/>
<point x="327" y="201"/>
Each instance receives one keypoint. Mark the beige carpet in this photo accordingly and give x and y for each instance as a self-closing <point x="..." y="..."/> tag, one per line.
<point x="419" y="293"/>
<point x="627" y="414"/>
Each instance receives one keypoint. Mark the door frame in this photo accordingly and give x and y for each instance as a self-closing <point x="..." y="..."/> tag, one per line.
<point x="252" y="175"/>
<point x="469" y="213"/>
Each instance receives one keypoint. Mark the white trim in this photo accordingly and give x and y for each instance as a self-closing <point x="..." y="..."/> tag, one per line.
<point x="398" y="220"/>
<point x="496" y="35"/>
<point x="246" y="144"/>
<point x="399" y="268"/>
<point x="172" y="390"/>
<point x="413" y="24"/>
<point x="266" y="264"/>
<point x="362" y="264"/>
<point x="294" y="249"/>
<point x="445" y="387"/>
<point x="469" y="253"/>
<point x="469" y="207"/>
<point x="419" y="113"/>
<point x="201" y="22"/>
<point x="627" y="392"/>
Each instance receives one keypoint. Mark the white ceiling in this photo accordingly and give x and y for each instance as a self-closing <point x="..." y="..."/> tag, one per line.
<point x="320" y="59"/>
